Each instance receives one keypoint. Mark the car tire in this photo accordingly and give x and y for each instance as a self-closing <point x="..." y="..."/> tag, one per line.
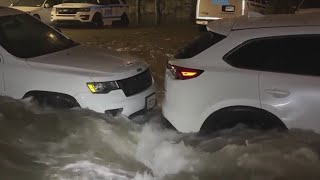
<point x="124" y="20"/>
<point x="97" y="21"/>
<point x="52" y="99"/>
<point x="37" y="16"/>
<point x="202" y="28"/>
<point x="253" y="118"/>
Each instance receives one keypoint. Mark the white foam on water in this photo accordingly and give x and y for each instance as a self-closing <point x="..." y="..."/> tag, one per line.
<point x="83" y="145"/>
<point x="85" y="170"/>
<point x="159" y="150"/>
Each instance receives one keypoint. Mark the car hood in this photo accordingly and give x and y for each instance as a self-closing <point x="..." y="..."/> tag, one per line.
<point x="86" y="60"/>
<point x="74" y="5"/>
<point x="26" y="8"/>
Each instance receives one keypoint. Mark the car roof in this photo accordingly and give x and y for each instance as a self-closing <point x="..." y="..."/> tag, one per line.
<point x="259" y="21"/>
<point x="6" y="11"/>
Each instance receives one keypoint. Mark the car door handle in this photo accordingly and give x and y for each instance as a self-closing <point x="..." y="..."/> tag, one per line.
<point x="278" y="93"/>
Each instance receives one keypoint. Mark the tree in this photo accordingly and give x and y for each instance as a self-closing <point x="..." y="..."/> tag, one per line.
<point x="138" y="12"/>
<point x="157" y="12"/>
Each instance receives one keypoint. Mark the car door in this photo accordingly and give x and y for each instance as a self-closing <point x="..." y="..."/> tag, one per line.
<point x="45" y="12"/>
<point x="123" y="7"/>
<point x="290" y="81"/>
<point x="106" y="9"/>
<point x="116" y="8"/>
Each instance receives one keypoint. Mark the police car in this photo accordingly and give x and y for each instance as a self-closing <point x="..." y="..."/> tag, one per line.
<point x="96" y="12"/>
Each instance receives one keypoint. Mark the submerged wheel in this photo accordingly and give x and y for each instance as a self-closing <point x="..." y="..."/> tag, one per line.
<point x="253" y="118"/>
<point x="97" y="21"/>
<point x="52" y="99"/>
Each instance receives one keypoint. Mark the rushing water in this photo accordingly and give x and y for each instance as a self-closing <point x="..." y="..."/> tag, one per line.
<point x="79" y="144"/>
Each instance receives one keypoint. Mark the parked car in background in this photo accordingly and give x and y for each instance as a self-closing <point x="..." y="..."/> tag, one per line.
<point x="38" y="61"/>
<point x="260" y="71"/>
<point x="95" y="12"/>
<point x="308" y="6"/>
<point x="40" y="9"/>
<point x="209" y="10"/>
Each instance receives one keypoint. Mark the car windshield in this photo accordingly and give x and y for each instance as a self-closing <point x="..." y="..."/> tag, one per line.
<point x="310" y="4"/>
<point x="81" y="1"/>
<point x="24" y="36"/>
<point x="30" y="3"/>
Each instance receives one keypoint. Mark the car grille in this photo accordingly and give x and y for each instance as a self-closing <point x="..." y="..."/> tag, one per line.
<point x="67" y="10"/>
<point x="136" y="84"/>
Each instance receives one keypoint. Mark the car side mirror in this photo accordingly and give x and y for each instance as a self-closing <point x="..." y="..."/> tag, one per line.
<point x="46" y="5"/>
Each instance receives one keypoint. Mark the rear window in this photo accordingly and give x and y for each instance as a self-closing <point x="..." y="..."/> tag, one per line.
<point x="310" y="4"/>
<point x="198" y="45"/>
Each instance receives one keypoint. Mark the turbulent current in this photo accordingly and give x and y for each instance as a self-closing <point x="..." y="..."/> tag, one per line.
<point x="78" y="144"/>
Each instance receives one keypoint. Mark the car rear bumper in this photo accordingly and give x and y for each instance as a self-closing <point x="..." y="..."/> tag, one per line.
<point x="182" y="106"/>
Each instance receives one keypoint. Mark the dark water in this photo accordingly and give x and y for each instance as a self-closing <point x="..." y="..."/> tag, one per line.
<point x="79" y="144"/>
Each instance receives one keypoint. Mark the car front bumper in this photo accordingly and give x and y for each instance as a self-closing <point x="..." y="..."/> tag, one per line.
<point x="116" y="100"/>
<point x="79" y="18"/>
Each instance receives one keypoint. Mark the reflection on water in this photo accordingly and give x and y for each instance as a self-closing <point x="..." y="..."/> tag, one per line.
<point x="79" y="144"/>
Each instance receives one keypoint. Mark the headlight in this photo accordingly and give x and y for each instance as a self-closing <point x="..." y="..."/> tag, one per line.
<point x="102" y="87"/>
<point x="84" y="9"/>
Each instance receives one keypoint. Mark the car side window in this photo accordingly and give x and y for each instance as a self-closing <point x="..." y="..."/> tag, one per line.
<point x="58" y="2"/>
<point x="51" y="2"/>
<point x="115" y="2"/>
<point x="289" y="54"/>
<point x="310" y="4"/>
<point x="104" y="2"/>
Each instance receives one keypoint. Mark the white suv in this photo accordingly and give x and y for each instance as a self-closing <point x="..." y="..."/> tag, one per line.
<point x="261" y="71"/>
<point x="38" y="61"/>
<point x="40" y="9"/>
<point x="96" y="12"/>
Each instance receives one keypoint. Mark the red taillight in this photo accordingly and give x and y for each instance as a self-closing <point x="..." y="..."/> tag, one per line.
<point x="183" y="73"/>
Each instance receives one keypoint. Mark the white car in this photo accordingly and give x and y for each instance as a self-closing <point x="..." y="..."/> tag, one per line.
<point x="40" y="9"/>
<point x="260" y="71"/>
<point x="38" y="61"/>
<point x="96" y="12"/>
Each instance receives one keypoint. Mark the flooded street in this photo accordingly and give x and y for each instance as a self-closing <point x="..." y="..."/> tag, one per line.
<point x="79" y="144"/>
<point x="155" y="45"/>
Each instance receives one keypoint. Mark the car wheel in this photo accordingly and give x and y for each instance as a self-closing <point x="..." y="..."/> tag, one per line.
<point x="97" y="21"/>
<point x="52" y="99"/>
<point x="124" y="20"/>
<point x="37" y="16"/>
<point x="253" y="118"/>
<point x="202" y="28"/>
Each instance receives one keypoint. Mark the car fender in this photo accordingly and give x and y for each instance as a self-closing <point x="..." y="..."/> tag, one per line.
<point x="227" y="103"/>
<point x="20" y="78"/>
<point x="94" y="11"/>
